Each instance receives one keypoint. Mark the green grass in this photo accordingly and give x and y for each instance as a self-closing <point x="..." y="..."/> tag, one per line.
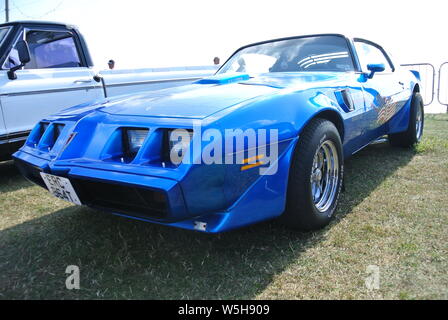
<point x="393" y="214"/>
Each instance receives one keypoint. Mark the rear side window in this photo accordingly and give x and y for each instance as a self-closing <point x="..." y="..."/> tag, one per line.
<point x="48" y="49"/>
<point x="369" y="54"/>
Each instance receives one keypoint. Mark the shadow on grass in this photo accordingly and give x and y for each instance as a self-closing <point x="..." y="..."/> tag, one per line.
<point x="121" y="258"/>
<point x="10" y="177"/>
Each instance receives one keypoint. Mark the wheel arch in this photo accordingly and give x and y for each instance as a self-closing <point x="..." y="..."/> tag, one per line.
<point x="332" y="116"/>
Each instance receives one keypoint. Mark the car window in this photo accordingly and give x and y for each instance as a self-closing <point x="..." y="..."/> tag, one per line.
<point x="52" y="50"/>
<point x="12" y="60"/>
<point x="48" y="49"/>
<point x="368" y="54"/>
<point x="13" y="57"/>
<point x="317" y="53"/>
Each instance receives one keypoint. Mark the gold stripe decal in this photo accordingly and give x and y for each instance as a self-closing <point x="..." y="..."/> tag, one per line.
<point x="248" y="162"/>
<point x="250" y="166"/>
<point x="252" y="159"/>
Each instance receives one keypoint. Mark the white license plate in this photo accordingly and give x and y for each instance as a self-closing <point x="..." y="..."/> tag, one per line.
<point x="60" y="187"/>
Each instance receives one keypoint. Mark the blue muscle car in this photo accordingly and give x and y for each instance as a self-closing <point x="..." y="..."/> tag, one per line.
<point x="264" y="137"/>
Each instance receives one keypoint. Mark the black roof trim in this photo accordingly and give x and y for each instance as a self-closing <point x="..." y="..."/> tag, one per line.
<point x="293" y="37"/>
<point x="37" y="22"/>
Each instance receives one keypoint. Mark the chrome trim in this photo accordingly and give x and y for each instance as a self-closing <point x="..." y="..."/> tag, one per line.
<point x="366" y="145"/>
<point x="324" y="178"/>
<point x="48" y="91"/>
<point x="149" y="82"/>
<point x="419" y="123"/>
<point x="18" y="139"/>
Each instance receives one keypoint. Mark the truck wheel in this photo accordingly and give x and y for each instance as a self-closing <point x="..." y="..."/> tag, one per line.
<point x="315" y="177"/>
<point x="415" y="128"/>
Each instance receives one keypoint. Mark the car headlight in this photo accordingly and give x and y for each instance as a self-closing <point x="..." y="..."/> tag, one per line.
<point x="133" y="140"/>
<point x="178" y="142"/>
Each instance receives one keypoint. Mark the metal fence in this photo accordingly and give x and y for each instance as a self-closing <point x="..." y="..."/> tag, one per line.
<point x="442" y="92"/>
<point x="428" y="79"/>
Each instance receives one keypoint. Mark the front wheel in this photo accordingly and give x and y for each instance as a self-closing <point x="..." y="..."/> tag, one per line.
<point x="315" y="177"/>
<point x="414" y="132"/>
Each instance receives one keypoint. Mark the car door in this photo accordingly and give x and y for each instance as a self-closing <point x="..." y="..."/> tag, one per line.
<point x="55" y="78"/>
<point x="351" y="99"/>
<point x="383" y="92"/>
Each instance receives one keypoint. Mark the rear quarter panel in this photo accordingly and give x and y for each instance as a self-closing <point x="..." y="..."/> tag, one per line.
<point x="400" y="121"/>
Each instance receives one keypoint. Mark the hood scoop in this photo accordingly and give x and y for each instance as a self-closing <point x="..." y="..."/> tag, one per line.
<point x="225" y="78"/>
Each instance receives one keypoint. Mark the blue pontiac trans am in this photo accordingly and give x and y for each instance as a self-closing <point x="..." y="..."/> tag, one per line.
<point x="264" y="137"/>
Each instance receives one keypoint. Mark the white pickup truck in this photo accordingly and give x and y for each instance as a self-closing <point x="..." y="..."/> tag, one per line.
<point x="46" y="67"/>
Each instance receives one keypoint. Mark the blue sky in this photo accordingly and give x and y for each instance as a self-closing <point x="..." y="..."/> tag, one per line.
<point x="139" y="33"/>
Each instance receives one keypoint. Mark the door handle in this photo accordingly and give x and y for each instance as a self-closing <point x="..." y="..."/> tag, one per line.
<point x="401" y="83"/>
<point x="83" y="81"/>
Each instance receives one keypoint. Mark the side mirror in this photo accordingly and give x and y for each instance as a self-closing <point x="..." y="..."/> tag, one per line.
<point x="24" y="57"/>
<point x="24" y="52"/>
<point x="374" y="68"/>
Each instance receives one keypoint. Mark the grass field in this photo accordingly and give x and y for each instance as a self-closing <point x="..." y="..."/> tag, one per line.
<point x="393" y="214"/>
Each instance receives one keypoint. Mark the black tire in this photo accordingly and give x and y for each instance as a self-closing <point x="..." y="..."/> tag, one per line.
<point x="411" y="136"/>
<point x="301" y="211"/>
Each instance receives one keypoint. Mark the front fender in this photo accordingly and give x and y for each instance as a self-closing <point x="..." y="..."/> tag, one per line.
<point x="217" y="187"/>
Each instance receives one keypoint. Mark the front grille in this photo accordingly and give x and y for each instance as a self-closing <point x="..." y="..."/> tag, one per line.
<point x="131" y="200"/>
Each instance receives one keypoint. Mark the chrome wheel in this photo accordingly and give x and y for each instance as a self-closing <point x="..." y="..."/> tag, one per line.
<point x="325" y="176"/>
<point x="419" y="122"/>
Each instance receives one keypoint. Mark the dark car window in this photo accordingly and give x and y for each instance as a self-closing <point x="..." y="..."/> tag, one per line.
<point x="319" y="53"/>
<point x="48" y="49"/>
<point x="368" y="53"/>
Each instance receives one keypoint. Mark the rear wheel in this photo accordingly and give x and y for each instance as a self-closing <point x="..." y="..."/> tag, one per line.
<point x="415" y="128"/>
<point x="315" y="177"/>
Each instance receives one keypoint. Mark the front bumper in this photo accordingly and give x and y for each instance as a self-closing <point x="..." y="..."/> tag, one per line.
<point x="160" y="199"/>
<point x="145" y="197"/>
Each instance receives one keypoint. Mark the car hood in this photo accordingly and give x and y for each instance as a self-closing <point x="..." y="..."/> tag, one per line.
<point x="204" y="97"/>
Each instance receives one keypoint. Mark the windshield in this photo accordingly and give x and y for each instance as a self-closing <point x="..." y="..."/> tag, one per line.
<point x="3" y="33"/>
<point x="316" y="53"/>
